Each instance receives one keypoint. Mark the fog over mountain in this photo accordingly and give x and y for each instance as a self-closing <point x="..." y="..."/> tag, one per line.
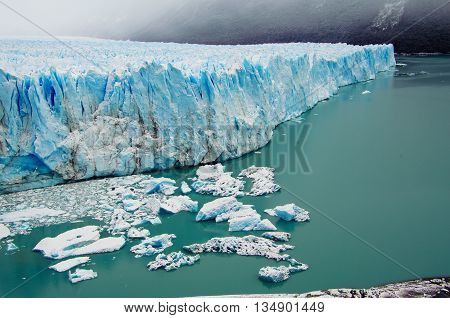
<point x="412" y="25"/>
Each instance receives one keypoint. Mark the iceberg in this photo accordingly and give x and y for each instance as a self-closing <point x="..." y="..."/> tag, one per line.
<point x="289" y="212"/>
<point x="4" y="231"/>
<point x="172" y="261"/>
<point x="81" y="241"/>
<point x="131" y="107"/>
<point x="277" y="236"/>
<point x="134" y="233"/>
<point x="69" y="264"/>
<point x="250" y="223"/>
<point x="29" y="214"/>
<point x="213" y="180"/>
<point x="246" y="246"/>
<point x="80" y="275"/>
<point x="280" y="273"/>
<point x="153" y="245"/>
<point x="185" y="189"/>
<point x="217" y="207"/>
<point x="131" y="205"/>
<point x="262" y="180"/>
<point x="165" y="186"/>
<point x="178" y="204"/>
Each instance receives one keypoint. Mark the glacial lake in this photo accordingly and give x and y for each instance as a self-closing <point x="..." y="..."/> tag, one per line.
<point x="373" y="170"/>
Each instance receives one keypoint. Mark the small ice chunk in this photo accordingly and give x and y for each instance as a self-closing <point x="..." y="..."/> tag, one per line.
<point x="172" y="261"/>
<point x="366" y="92"/>
<point x="153" y="245"/>
<point x="262" y="180"/>
<point x="134" y="233"/>
<point x="70" y="263"/>
<point x="277" y="236"/>
<point x="154" y="220"/>
<point x="185" y="189"/>
<point x="280" y="273"/>
<point x="131" y="205"/>
<point x="211" y="179"/>
<point x="178" y="204"/>
<point x="159" y="185"/>
<point x="29" y="214"/>
<point x="80" y="275"/>
<point x="4" y="231"/>
<point x="11" y="247"/>
<point x="214" y="208"/>
<point x="118" y="223"/>
<point x="153" y="205"/>
<point x="289" y="212"/>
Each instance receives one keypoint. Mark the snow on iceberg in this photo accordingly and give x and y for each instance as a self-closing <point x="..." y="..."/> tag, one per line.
<point x="4" y="231"/>
<point x="152" y="106"/>
<point x="280" y="273"/>
<point x="178" y="204"/>
<point x="70" y="263"/>
<point x="262" y="180"/>
<point x="81" y="241"/>
<point x="153" y="245"/>
<point x="289" y="212"/>
<point x="29" y="214"/>
<point x="172" y="261"/>
<point x="213" y="180"/>
<point x="80" y="275"/>
<point x="247" y="246"/>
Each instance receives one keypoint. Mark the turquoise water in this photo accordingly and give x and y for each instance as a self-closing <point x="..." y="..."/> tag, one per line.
<point x="377" y="184"/>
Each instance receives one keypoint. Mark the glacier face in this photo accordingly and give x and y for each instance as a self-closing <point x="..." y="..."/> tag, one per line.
<point x="94" y="108"/>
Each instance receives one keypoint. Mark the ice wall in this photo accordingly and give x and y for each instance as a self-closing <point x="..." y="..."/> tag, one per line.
<point x="94" y="108"/>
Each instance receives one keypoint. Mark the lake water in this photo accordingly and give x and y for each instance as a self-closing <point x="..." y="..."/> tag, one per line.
<point x="373" y="170"/>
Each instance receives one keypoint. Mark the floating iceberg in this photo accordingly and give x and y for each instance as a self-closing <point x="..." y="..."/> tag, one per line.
<point x="280" y="273"/>
<point x="289" y="212"/>
<point x="213" y="180"/>
<point x="178" y="204"/>
<point x="70" y="263"/>
<point x="247" y="246"/>
<point x="250" y="223"/>
<point x="151" y="106"/>
<point x="217" y="207"/>
<point x="29" y="214"/>
<point x="4" y="231"/>
<point x="277" y="236"/>
<point x="81" y="241"/>
<point x="172" y="261"/>
<point x="134" y="233"/>
<point x="185" y="189"/>
<point x="262" y="180"/>
<point x="131" y="205"/>
<point x="165" y="186"/>
<point x="80" y="275"/>
<point x="153" y="245"/>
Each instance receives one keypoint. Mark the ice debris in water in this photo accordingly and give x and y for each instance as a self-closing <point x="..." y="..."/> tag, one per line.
<point x="239" y="216"/>
<point x="289" y="212"/>
<point x="262" y="180"/>
<point x="165" y="186"/>
<point x="29" y="214"/>
<point x="366" y="92"/>
<point x="4" y="231"/>
<point x="131" y="205"/>
<point x="119" y="221"/>
<point x="172" y="261"/>
<point x="11" y="247"/>
<point x="81" y="241"/>
<point x="153" y="245"/>
<point x="185" y="189"/>
<point x="277" y="236"/>
<point x="211" y="179"/>
<point x="80" y="275"/>
<point x="280" y="273"/>
<point x="70" y="263"/>
<point x="247" y="246"/>
<point x="178" y="204"/>
<point x="134" y="233"/>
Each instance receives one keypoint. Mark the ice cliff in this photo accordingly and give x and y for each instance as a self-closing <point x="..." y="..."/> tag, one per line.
<point x="94" y="108"/>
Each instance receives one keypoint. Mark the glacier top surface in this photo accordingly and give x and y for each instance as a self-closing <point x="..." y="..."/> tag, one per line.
<point x="27" y="56"/>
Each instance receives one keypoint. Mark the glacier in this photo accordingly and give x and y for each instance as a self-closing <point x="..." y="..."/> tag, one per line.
<point x="96" y="108"/>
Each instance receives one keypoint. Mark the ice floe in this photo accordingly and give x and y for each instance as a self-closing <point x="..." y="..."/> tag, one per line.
<point x="178" y="204"/>
<point x="289" y="212"/>
<point x="131" y="205"/>
<point x="213" y="180"/>
<point x="153" y="245"/>
<point x="29" y="214"/>
<point x="279" y="273"/>
<point x="4" y="231"/>
<point x="80" y="275"/>
<point x="277" y="236"/>
<point x="81" y="241"/>
<point x="172" y="261"/>
<point x="185" y="189"/>
<point x="70" y="263"/>
<point x="134" y="233"/>
<point x="263" y="180"/>
<point x="247" y="246"/>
